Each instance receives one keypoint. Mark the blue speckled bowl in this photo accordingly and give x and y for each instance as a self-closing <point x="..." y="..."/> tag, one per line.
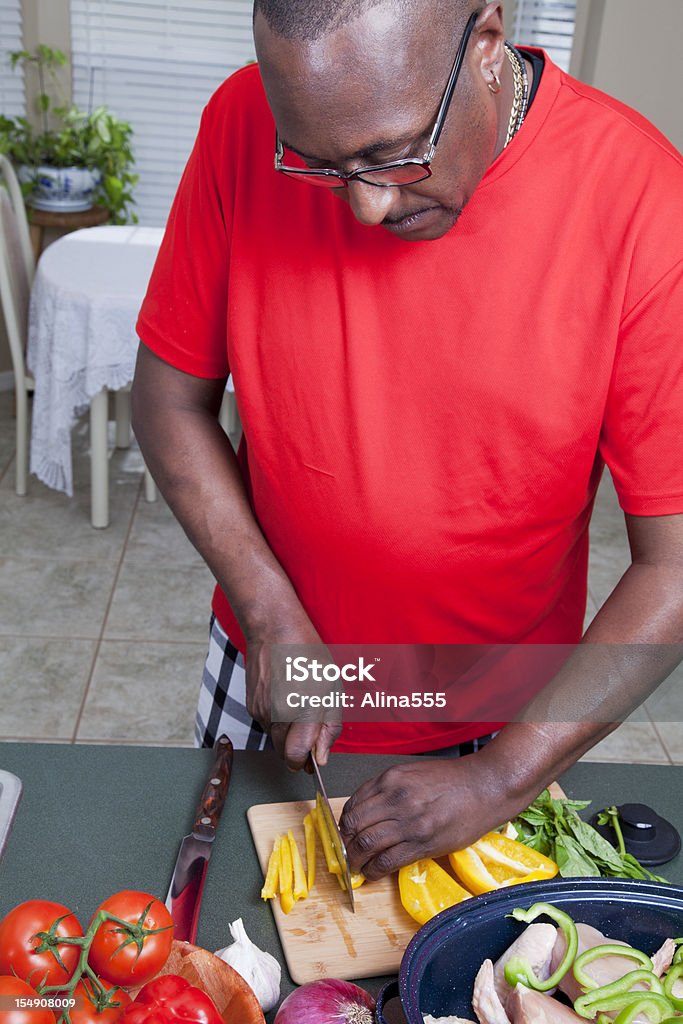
<point x="439" y="966"/>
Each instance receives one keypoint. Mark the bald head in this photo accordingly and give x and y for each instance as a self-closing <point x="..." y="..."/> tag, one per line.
<point x="312" y="19"/>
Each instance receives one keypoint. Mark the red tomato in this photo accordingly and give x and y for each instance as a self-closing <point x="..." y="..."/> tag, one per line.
<point x="171" y="999"/>
<point x="18" y="943"/>
<point x="85" y="1010"/>
<point x="13" y="989"/>
<point x="117" y="957"/>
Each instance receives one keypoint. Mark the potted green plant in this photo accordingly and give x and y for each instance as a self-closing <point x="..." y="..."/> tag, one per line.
<point x="75" y="159"/>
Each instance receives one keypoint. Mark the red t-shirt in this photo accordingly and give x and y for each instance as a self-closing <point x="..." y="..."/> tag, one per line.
<point x="425" y="423"/>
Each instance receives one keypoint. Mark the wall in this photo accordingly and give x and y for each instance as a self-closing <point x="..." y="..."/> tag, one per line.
<point x="47" y="21"/>
<point x="631" y="50"/>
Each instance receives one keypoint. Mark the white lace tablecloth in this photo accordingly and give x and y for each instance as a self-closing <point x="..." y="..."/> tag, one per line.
<point x="88" y="288"/>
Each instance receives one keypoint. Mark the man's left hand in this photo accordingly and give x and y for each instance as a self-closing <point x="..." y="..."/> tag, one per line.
<point x="419" y="810"/>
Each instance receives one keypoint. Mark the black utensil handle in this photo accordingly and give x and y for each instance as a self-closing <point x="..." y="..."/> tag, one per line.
<point x="385" y="994"/>
<point x="216" y="790"/>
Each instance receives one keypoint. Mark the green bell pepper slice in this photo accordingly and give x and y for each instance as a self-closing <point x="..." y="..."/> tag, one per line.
<point x="606" y="949"/>
<point x="518" y="969"/>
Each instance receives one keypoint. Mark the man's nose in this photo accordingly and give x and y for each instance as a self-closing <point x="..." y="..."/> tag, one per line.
<point x="370" y="204"/>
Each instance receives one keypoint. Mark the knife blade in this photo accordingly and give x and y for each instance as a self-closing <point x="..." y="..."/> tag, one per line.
<point x="323" y="805"/>
<point x="187" y="881"/>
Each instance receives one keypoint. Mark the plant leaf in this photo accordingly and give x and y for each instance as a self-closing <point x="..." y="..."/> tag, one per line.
<point x="572" y="860"/>
<point x="593" y="842"/>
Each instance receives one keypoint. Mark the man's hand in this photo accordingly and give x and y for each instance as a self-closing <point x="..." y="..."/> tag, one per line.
<point x="311" y="732"/>
<point x="418" y="810"/>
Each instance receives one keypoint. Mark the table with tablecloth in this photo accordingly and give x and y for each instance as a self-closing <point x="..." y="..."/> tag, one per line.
<point x="86" y="294"/>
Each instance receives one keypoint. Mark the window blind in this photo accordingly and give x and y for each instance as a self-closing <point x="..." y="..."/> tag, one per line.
<point x="545" y="23"/>
<point x="12" y="96"/>
<point x="155" y="63"/>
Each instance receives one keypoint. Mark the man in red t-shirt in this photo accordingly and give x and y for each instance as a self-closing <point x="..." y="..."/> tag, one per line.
<point x="425" y="425"/>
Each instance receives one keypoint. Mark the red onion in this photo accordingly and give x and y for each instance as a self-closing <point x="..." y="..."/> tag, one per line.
<point x="328" y="1001"/>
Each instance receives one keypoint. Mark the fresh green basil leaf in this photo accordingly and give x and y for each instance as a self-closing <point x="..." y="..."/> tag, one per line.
<point x="593" y="842"/>
<point x="572" y="860"/>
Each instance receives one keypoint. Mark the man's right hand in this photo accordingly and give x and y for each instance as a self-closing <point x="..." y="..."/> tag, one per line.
<point x="311" y="732"/>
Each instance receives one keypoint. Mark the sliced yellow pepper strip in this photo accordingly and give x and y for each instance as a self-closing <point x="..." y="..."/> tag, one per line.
<point x="309" y="833"/>
<point x="286" y="895"/>
<point x="357" y="879"/>
<point x="426" y="889"/>
<point x="496" y="861"/>
<point x="269" y="890"/>
<point x="333" y="864"/>
<point x="300" y="887"/>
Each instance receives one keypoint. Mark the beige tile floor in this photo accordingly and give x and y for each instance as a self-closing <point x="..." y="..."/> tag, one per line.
<point x="103" y="632"/>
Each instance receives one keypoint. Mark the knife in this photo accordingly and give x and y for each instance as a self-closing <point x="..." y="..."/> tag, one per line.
<point x="187" y="882"/>
<point x="323" y="804"/>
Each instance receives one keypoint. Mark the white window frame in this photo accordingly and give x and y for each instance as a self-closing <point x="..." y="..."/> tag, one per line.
<point x="155" y="63"/>
<point x="12" y="91"/>
<point x="532" y="22"/>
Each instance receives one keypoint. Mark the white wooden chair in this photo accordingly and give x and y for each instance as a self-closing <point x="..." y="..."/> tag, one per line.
<point x="17" y="268"/>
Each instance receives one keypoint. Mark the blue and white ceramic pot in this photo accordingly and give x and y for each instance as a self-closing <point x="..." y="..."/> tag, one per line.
<point x="61" y="189"/>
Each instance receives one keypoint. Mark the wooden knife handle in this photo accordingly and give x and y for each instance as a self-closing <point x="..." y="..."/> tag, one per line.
<point x="216" y="790"/>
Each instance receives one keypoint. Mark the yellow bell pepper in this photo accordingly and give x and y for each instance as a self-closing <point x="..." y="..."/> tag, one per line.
<point x="426" y="889"/>
<point x="300" y="891"/>
<point x="269" y="890"/>
<point x="496" y="861"/>
<point x="309" y="833"/>
<point x="286" y="875"/>
<point x="357" y="879"/>
<point x="333" y="864"/>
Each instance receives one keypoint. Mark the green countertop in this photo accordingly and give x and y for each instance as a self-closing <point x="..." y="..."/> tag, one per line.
<point x="96" y="819"/>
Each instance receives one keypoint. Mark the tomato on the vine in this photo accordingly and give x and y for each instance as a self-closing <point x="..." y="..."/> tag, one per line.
<point x="11" y="989"/>
<point x="19" y="942"/>
<point x="131" y="959"/>
<point x="85" y="1010"/>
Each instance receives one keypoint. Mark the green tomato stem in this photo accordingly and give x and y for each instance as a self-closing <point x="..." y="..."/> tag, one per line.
<point x="135" y="933"/>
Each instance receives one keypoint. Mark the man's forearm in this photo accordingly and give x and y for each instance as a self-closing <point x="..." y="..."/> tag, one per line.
<point x="632" y="645"/>
<point x="192" y="461"/>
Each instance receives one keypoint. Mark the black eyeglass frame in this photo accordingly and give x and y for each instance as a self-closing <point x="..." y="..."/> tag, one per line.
<point x="425" y="163"/>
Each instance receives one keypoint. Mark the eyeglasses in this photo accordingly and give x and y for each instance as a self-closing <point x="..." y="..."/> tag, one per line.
<point x="397" y="172"/>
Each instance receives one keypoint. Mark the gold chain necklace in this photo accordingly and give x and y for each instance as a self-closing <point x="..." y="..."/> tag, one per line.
<point x="521" y="93"/>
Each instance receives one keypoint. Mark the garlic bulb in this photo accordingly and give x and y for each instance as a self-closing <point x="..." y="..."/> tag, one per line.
<point x="260" y="970"/>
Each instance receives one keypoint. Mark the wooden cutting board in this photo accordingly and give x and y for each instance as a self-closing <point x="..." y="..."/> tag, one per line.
<point x="321" y="937"/>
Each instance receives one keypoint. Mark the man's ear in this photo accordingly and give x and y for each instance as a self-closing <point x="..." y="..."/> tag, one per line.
<point x="489" y="48"/>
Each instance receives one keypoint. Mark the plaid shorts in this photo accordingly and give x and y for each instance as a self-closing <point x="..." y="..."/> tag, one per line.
<point x="222" y="703"/>
<point x="222" y="706"/>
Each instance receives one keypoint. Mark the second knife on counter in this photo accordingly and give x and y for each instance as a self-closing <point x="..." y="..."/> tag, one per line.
<point x="187" y="882"/>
